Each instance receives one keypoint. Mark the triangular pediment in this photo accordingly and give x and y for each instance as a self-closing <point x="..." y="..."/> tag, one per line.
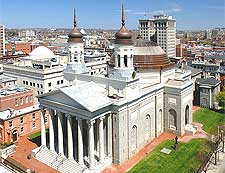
<point x="87" y="96"/>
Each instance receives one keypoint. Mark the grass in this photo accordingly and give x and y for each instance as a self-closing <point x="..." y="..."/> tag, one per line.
<point x="35" y="135"/>
<point x="210" y="120"/>
<point x="187" y="158"/>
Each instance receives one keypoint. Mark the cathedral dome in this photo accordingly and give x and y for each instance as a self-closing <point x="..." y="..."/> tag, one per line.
<point x="148" y="55"/>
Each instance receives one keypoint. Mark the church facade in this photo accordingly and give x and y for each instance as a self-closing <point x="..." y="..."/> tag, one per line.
<point x="97" y="121"/>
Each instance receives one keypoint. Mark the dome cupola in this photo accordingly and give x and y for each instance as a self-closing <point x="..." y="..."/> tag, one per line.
<point x="75" y="36"/>
<point x="123" y="36"/>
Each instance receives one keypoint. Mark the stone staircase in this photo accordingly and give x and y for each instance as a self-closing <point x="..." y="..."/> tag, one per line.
<point x="58" y="162"/>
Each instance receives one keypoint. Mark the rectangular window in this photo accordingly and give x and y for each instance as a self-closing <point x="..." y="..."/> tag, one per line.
<point x="24" y="82"/>
<point x="33" y="125"/>
<point x="10" y="123"/>
<point x="16" y="102"/>
<point x="49" y="84"/>
<point x="22" y="130"/>
<point x="33" y="84"/>
<point x="21" y="120"/>
<point x="26" y="99"/>
<point x="41" y="86"/>
<point x="58" y="82"/>
<point x="30" y="83"/>
<point x="61" y="81"/>
<point x="33" y="116"/>
<point x="21" y="100"/>
<point x="38" y="85"/>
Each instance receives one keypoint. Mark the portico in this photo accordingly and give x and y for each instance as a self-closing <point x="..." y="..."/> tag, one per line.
<point x="78" y="134"/>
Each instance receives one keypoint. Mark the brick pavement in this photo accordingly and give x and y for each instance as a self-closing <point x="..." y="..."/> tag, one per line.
<point x="24" y="148"/>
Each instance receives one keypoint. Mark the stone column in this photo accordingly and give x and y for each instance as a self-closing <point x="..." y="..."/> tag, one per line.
<point x="43" y="134"/>
<point x="210" y="98"/>
<point x="80" y="142"/>
<point x="116" y="61"/>
<point x="101" y="140"/>
<point x="51" y="130"/>
<point x="70" y="137"/>
<point x="109" y="131"/>
<point x="60" y="133"/>
<point x="122" y="62"/>
<point x="91" y="145"/>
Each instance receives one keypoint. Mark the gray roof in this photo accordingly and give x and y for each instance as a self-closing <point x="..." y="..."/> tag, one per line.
<point x="89" y="95"/>
<point x="194" y="71"/>
<point x="209" y="81"/>
<point x="144" y="43"/>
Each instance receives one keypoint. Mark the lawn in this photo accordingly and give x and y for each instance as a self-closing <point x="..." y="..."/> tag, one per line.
<point x="210" y="120"/>
<point x="187" y="158"/>
<point x="37" y="134"/>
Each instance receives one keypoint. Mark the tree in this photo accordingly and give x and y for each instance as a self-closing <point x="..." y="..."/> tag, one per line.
<point x="220" y="97"/>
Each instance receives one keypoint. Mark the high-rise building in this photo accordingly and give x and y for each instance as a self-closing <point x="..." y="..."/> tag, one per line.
<point x="208" y="34"/>
<point x="2" y="40"/>
<point x="162" y="30"/>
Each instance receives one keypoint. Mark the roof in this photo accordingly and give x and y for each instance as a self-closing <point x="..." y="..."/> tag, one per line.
<point x="209" y="81"/>
<point x="148" y="55"/>
<point x="41" y="52"/>
<point x="194" y="71"/>
<point x="144" y="43"/>
<point x="89" y="95"/>
<point x="10" y="113"/>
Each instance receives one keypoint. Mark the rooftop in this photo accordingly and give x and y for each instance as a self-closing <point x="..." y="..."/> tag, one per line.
<point x="12" y="90"/>
<point x="10" y="113"/>
<point x="209" y="81"/>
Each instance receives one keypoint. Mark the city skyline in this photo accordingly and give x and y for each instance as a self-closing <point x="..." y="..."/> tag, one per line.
<point x="190" y="15"/>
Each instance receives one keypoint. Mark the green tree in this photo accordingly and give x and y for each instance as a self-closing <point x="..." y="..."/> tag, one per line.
<point x="220" y="97"/>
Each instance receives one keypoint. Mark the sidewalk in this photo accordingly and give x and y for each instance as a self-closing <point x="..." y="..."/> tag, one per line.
<point x="126" y="166"/>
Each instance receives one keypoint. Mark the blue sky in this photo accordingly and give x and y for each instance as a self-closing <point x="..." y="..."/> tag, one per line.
<point x="105" y="14"/>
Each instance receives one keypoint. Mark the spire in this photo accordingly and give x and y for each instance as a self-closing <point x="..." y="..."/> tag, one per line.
<point x="123" y="16"/>
<point x="75" y="36"/>
<point x="75" y="18"/>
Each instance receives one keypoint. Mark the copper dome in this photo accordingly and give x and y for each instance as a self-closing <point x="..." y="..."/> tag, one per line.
<point x="75" y="36"/>
<point x="123" y="36"/>
<point x="148" y="55"/>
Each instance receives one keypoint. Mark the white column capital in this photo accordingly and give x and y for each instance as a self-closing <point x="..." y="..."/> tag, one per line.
<point x="68" y="115"/>
<point x="90" y="123"/>
<point x="102" y="118"/>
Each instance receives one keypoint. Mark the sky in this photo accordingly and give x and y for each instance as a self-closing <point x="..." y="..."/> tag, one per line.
<point x="106" y="14"/>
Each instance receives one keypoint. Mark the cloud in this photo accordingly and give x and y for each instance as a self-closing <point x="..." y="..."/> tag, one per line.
<point x="173" y="10"/>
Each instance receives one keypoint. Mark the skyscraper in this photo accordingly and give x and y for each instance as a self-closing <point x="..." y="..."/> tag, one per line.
<point x="2" y="40"/>
<point x="162" y="30"/>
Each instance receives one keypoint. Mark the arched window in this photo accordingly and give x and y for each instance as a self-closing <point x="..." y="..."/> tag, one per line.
<point x="187" y="115"/>
<point x="125" y="60"/>
<point x="134" y="138"/>
<point x="148" y="127"/>
<point x="118" y="58"/>
<point x="173" y="119"/>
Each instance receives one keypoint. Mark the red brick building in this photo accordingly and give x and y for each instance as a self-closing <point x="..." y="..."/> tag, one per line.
<point x="23" y="47"/>
<point x="18" y="114"/>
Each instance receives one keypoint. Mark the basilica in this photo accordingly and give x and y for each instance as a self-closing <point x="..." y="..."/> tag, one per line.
<point x="97" y="121"/>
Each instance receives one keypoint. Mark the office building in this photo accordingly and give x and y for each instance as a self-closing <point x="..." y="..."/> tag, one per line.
<point x="162" y="30"/>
